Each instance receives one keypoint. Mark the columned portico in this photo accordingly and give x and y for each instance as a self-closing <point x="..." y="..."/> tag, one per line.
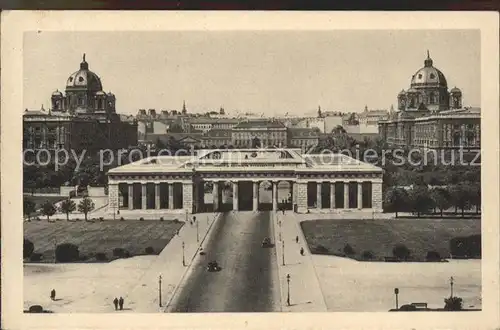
<point x="313" y="188"/>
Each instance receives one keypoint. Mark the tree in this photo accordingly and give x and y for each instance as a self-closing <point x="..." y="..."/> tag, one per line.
<point x="401" y="252"/>
<point x="48" y="209"/>
<point x="441" y="198"/>
<point x="86" y="206"/>
<point x="67" y="206"/>
<point x="396" y="200"/>
<point x="28" y="248"/>
<point x="461" y="197"/>
<point x="28" y="207"/>
<point x="475" y="195"/>
<point x="67" y="252"/>
<point x="420" y="200"/>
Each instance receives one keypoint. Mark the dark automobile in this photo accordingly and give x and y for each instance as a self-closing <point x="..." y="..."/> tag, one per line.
<point x="213" y="266"/>
<point x="267" y="242"/>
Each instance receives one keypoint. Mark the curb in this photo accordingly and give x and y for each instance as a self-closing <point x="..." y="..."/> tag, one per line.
<point x="274" y="219"/>
<point x="174" y="292"/>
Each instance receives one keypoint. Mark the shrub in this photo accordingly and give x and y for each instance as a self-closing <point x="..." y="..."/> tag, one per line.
<point x="122" y="219"/>
<point x="161" y="219"/>
<point x="433" y="256"/>
<point x="36" y="257"/>
<point x="319" y="249"/>
<point x="101" y="219"/>
<point x="150" y="250"/>
<point x="367" y="255"/>
<point x="348" y="250"/>
<point x="121" y="253"/>
<point x="176" y="221"/>
<point x="466" y="247"/>
<point x="408" y="308"/>
<point x="101" y="256"/>
<point x="453" y="303"/>
<point x="141" y="219"/>
<point x="67" y="252"/>
<point x="28" y="248"/>
<point x="35" y="309"/>
<point x="401" y="252"/>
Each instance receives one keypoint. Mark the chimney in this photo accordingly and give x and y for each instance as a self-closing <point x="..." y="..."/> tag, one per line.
<point x="152" y="112"/>
<point x="142" y="112"/>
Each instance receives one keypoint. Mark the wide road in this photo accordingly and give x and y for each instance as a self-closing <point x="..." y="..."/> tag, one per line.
<point x="248" y="281"/>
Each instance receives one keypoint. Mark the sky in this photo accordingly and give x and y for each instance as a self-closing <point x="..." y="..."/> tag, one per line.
<point x="270" y="72"/>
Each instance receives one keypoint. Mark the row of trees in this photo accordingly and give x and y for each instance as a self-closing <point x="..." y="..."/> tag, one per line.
<point x="420" y="199"/>
<point x="48" y="209"/>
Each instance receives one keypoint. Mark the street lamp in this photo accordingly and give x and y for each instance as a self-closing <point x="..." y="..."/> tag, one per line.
<point x="55" y="248"/>
<point x="183" y="259"/>
<point x="451" y="286"/>
<point x="396" y="292"/>
<point x="288" y="292"/>
<point x="159" y="289"/>
<point x="197" y="233"/>
<point x="283" y="248"/>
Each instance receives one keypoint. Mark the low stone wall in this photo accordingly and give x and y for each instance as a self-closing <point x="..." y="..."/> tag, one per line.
<point x="96" y="191"/>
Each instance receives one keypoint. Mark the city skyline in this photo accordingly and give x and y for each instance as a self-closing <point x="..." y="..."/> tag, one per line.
<point x="260" y="72"/>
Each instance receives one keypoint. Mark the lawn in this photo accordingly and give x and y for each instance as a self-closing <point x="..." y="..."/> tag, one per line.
<point x="380" y="236"/>
<point x="94" y="237"/>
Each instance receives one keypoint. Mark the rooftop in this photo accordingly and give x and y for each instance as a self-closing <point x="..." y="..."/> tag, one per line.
<point x="261" y="160"/>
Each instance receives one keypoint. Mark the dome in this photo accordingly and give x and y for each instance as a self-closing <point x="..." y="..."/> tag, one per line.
<point x="402" y="92"/>
<point x="455" y="90"/>
<point x="84" y="78"/>
<point x="428" y="76"/>
<point x="57" y="93"/>
<point x="100" y="93"/>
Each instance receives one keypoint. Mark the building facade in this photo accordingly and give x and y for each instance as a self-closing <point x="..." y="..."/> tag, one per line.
<point x="431" y="116"/>
<point x="317" y="183"/>
<point x="263" y="132"/>
<point x="84" y="117"/>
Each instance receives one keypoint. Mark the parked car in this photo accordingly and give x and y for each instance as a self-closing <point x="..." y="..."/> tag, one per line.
<point x="213" y="266"/>
<point x="267" y="242"/>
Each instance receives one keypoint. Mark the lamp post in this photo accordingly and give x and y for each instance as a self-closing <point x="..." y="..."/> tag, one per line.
<point x="55" y="248"/>
<point x="288" y="291"/>
<point x="451" y="286"/>
<point x="396" y="292"/>
<point x="283" y="248"/>
<point x="159" y="289"/>
<point x="197" y="233"/>
<point x="183" y="259"/>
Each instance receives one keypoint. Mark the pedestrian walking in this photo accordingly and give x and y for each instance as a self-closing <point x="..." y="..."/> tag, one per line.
<point x="283" y="211"/>
<point x="115" y="302"/>
<point x="301" y="251"/>
<point x="53" y="294"/>
<point x="120" y="302"/>
<point x="296" y="239"/>
<point x="194" y="219"/>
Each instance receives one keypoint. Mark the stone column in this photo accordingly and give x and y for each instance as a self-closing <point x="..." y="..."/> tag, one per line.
<point x="346" y="195"/>
<point x="256" y="196"/>
<point x="143" y="196"/>
<point x="157" y="196"/>
<point x="275" y="195"/>
<point x="170" y="196"/>
<point x="377" y="195"/>
<point x="130" y="196"/>
<point x="318" y="196"/>
<point x="187" y="197"/>
<point x="215" y="193"/>
<point x="360" y="195"/>
<point x="113" y="200"/>
<point x="235" y="196"/>
<point x="332" y="195"/>
<point x="301" y="197"/>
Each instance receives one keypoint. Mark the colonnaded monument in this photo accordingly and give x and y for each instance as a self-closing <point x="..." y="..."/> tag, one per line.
<point x="328" y="183"/>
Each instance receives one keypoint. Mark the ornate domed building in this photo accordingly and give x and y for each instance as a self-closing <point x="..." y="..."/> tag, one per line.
<point x="431" y="116"/>
<point x="84" y="117"/>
